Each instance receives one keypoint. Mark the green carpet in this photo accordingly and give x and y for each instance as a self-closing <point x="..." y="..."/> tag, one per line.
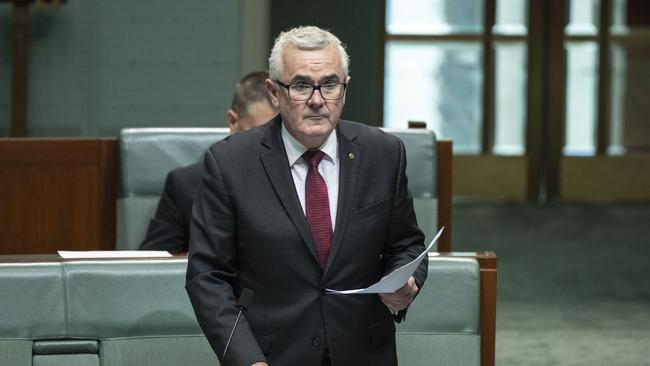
<point x="573" y="280"/>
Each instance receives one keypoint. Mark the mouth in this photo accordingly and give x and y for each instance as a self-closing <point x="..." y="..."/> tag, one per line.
<point x="315" y="116"/>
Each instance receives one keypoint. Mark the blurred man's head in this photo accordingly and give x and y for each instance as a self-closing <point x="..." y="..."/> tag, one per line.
<point x="251" y="103"/>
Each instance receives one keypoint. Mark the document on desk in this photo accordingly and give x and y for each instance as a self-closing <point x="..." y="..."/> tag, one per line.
<point x="394" y="280"/>
<point x="92" y="254"/>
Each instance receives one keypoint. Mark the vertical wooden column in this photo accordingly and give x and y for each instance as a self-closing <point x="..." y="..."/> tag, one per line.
<point x="20" y="57"/>
<point x="444" y="153"/>
<point x="488" y="267"/>
<point x="489" y="81"/>
<point x="535" y="101"/>
<point x="604" y="79"/>
<point x="555" y="95"/>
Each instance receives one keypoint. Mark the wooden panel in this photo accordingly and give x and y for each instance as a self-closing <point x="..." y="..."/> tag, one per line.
<point x="444" y="154"/>
<point x="605" y="178"/>
<point x="57" y="194"/>
<point x="490" y="176"/>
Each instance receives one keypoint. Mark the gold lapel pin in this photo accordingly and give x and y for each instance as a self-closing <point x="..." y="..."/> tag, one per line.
<point x="351" y="156"/>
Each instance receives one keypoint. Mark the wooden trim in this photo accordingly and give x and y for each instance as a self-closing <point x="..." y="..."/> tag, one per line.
<point x="48" y="151"/>
<point x="604" y="80"/>
<point x="19" y="65"/>
<point x="457" y="37"/>
<point x="534" y="103"/>
<point x="580" y="38"/>
<point x="634" y="36"/>
<point x="488" y="267"/>
<point x="555" y="96"/>
<point x="488" y="125"/>
<point x="107" y="190"/>
<point x="444" y="176"/>
<point x="487" y="262"/>
<point x="382" y="61"/>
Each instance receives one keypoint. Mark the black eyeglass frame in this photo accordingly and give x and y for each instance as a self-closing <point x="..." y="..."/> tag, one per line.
<point x="314" y="88"/>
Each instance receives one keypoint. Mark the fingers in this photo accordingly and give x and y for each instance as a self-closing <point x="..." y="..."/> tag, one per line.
<point x="401" y="298"/>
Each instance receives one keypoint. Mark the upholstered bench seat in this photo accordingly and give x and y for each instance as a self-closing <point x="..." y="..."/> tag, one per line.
<point x="136" y="312"/>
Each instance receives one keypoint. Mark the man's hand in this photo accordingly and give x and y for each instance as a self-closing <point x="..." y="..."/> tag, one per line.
<point x="401" y="298"/>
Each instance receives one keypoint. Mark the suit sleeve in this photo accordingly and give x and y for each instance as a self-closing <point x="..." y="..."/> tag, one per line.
<point x="212" y="273"/>
<point x="167" y="229"/>
<point x="405" y="241"/>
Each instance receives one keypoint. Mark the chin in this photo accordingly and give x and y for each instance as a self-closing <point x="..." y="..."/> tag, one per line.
<point x="318" y="129"/>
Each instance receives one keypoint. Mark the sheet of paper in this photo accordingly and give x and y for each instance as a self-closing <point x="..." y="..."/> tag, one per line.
<point x="394" y="280"/>
<point x="81" y="254"/>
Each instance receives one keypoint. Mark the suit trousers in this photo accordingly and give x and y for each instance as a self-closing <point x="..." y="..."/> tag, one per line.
<point x="326" y="361"/>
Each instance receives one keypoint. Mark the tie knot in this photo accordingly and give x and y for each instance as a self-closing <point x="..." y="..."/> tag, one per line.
<point x="313" y="157"/>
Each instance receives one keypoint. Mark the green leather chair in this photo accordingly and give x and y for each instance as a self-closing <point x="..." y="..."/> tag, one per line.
<point x="136" y="312"/>
<point x="442" y="325"/>
<point x="148" y="154"/>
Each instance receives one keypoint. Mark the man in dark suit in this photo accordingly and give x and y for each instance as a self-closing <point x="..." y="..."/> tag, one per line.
<point x="169" y="229"/>
<point x="301" y="204"/>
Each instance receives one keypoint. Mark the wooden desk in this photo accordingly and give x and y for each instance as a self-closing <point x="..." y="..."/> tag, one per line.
<point x="60" y="193"/>
<point x="57" y="194"/>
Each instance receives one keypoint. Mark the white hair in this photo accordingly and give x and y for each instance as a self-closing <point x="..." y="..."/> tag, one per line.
<point x="304" y="38"/>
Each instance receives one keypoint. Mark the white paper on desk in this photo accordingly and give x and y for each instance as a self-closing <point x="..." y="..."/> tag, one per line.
<point x="394" y="280"/>
<point x="81" y="254"/>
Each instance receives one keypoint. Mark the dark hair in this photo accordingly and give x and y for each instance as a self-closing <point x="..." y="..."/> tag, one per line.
<point x="250" y="89"/>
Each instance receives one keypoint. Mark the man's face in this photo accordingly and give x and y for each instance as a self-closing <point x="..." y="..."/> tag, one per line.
<point x="311" y="121"/>
<point x="260" y="113"/>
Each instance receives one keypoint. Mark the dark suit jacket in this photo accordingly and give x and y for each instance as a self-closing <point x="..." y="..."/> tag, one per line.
<point x="169" y="229"/>
<point x="248" y="231"/>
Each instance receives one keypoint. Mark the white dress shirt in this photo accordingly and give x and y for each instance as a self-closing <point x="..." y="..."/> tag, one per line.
<point x="328" y="168"/>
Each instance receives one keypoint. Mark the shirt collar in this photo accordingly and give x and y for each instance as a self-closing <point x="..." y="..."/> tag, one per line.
<point x="295" y="149"/>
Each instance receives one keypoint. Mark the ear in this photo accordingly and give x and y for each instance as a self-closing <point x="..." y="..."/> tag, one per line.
<point x="347" y="82"/>
<point x="275" y="98"/>
<point x="232" y="118"/>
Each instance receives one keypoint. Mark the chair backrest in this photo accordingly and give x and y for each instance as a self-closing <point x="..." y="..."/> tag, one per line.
<point x="422" y="173"/>
<point x="99" y="312"/>
<point x="136" y="312"/>
<point x="148" y="154"/>
<point x="443" y="322"/>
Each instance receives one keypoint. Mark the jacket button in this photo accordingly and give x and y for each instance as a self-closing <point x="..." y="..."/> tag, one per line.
<point x="315" y="341"/>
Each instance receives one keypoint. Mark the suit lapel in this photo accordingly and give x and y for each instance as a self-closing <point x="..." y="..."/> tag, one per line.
<point x="350" y="157"/>
<point x="277" y="169"/>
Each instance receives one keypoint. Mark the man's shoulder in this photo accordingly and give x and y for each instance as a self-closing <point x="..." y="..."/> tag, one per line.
<point x="246" y="141"/>
<point x="365" y="133"/>
<point x="186" y="174"/>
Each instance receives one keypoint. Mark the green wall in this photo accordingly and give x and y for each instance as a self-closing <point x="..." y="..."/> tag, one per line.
<point x="360" y="25"/>
<point x="98" y="66"/>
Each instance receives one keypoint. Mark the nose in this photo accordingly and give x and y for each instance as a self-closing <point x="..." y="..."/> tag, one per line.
<point x="316" y="100"/>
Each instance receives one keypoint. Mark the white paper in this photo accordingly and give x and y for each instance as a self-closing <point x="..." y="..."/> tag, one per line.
<point x="394" y="280"/>
<point x="80" y="254"/>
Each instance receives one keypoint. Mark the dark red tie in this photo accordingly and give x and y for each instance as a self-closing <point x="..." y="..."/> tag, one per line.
<point x="317" y="206"/>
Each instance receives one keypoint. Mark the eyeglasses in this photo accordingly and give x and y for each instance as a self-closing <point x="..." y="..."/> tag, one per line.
<point x="304" y="91"/>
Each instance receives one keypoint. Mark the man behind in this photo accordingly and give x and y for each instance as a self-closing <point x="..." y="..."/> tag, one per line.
<point x="170" y="227"/>
<point x="304" y="203"/>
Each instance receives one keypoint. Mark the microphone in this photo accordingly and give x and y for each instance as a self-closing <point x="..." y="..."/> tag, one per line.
<point x="244" y="299"/>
